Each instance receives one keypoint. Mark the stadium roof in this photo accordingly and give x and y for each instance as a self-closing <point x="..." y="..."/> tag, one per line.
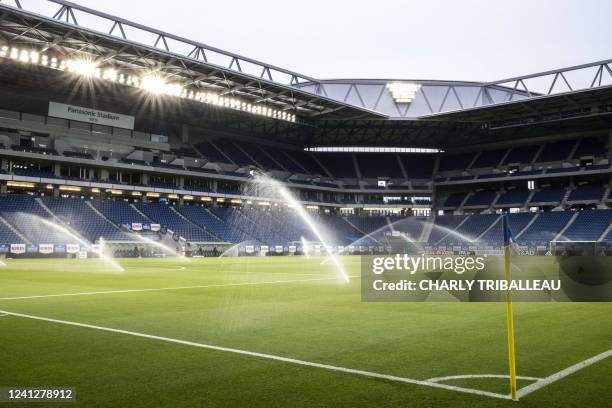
<point x="73" y="29"/>
<point x="418" y="113"/>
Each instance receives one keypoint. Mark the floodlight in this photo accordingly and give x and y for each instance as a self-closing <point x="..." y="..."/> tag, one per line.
<point x="110" y="74"/>
<point x="403" y="92"/>
<point x="153" y="83"/>
<point x="83" y="67"/>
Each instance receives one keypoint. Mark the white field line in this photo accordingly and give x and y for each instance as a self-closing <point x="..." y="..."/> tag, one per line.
<point x="265" y="356"/>
<point x="221" y="285"/>
<point x="468" y="376"/>
<point x="562" y="374"/>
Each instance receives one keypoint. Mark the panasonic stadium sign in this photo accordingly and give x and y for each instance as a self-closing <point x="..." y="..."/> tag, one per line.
<point x="81" y="114"/>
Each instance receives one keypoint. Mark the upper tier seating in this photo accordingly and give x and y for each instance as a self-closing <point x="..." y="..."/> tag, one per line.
<point x="591" y="146"/>
<point x="307" y="161"/>
<point x="455" y="161"/>
<point x="419" y="166"/>
<point x="339" y="164"/>
<point x="489" y="158"/>
<point x="515" y="197"/>
<point x="283" y="159"/>
<point x="79" y="155"/>
<point x="234" y="152"/>
<point x="481" y="198"/>
<point x="550" y="194"/>
<point x="373" y="165"/>
<point x="556" y="151"/>
<point x="262" y="158"/>
<point x="82" y="218"/>
<point x="521" y="154"/>
<point x="211" y="152"/>
<point x="34" y="173"/>
<point x="454" y="199"/>
<point x="587" y="192"/>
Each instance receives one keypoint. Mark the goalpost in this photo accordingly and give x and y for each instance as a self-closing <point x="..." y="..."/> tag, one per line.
<point x="577" y="248"/>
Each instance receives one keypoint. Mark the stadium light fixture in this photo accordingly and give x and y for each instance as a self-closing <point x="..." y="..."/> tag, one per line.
<point x="83" y="67"/>
<point x="69" y="188"/>
<point x="403" y="92"/>
<point x="153" y="83"/>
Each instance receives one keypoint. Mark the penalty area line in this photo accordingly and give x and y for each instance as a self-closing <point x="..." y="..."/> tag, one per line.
<point x="562" y="374"/>
<point x="353" y="371"/>
<point x="220" y="285"/>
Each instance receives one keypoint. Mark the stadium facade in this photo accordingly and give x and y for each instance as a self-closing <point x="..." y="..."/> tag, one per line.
<point x="118" y="132"/>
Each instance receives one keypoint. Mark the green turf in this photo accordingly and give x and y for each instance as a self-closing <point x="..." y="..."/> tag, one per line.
<point x="311" y="316"/>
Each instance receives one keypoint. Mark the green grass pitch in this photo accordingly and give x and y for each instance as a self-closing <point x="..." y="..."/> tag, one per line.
<point x="282" y="306"/>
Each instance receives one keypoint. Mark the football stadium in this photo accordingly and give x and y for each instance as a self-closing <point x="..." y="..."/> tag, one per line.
<point x="183" y="226"/>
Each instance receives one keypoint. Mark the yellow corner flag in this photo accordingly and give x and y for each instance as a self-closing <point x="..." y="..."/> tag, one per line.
<point x="509" y="243"/>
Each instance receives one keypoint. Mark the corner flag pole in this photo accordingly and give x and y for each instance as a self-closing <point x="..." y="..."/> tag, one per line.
<point x="508" y="241"/>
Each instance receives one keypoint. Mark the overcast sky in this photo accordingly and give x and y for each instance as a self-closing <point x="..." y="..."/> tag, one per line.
<point x="428" y="39"/>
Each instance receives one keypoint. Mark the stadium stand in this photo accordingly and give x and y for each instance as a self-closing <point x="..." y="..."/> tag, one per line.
<point x="556" y="151"/>
<point x="25" y="213"/>
<point x="340" y="165"/>
<point x="551" y="194"/>
<point x="587" y="192"/>
<point x="167" y="217"/>
<point x="545" y="227"/>
<point x="454" y="200"/>
<point x="489" y="158"/>
<point x="522" y="154"/>
<point x="515" y="197"/>
<point x="591" y="146"/>
<point x="482" y="198"/>
<point x="418" y="166"/>
<point x="82" y="218"/>
<point x="106" y="178"/>
<point x="455" y="161"/>
<point x="589" y="225"/>
<point x="120" y="212"/>
<point x="379" y="165"/>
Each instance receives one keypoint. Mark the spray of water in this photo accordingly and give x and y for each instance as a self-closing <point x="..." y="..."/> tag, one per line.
<point x="165" y="248"/>
<point x="454" y="233"/>
<point x="305" y="247"/>
<point x="286" y="195"/>
<point x="66" y="232"/>
<point x="234" y="249"/>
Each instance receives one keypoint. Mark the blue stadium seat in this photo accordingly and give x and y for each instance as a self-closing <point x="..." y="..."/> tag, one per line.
<point x="546" y="227"/>
<point x="587" y="192"/>
<point x="588" y="225"/>
<point x="85" y="220"/>
<point x="551" y="194"/>
<point x="481" y="198"/>
<point x="167" y="217"/>
<point x="516" y="197"/>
